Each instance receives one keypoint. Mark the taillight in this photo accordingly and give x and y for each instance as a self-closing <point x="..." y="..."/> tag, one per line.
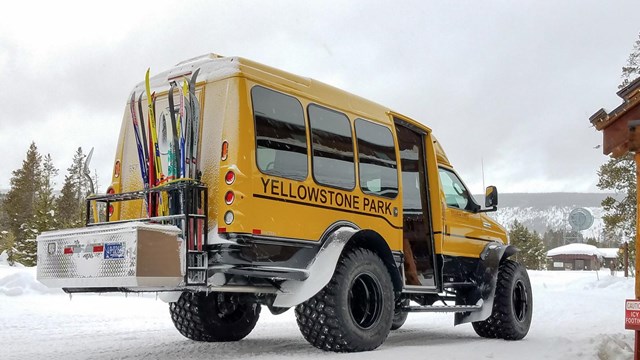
<point x="229" y="197"/>
<point x="111" y="191"/>
<point x="225" y="150"/>
<point x="229" y="177"/>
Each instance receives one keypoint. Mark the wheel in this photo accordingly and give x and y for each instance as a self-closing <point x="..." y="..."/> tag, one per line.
<point x="399" y="317"/>
<point x="215" y="317"/>
<point x="354" y="311"/>
<point x="512" y="305"/>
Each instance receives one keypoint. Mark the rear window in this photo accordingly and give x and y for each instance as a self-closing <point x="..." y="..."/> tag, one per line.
<point x="281" y="137"/>
<point x="377" y="159"/>
<point x="332" y="148"/>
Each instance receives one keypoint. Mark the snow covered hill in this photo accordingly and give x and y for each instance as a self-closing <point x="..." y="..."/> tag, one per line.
<point x="543" y="211"/>
<point x="577" y="315"/>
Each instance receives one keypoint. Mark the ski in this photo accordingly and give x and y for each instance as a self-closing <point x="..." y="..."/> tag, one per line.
<point x="153" y="147"/>
<point x="162" y="200"/>
<point x="183" y="125"/>
<point x="144" y="134"/>
<point x="139" y="143"/>
<point x="174" y="157"/>
<point x="195" y="127"/>
<point x="153" y="133"/>
<point x="188" y="140"/>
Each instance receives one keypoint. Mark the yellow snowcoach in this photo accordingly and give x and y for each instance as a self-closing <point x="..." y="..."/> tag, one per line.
<point x="237" y="186"/>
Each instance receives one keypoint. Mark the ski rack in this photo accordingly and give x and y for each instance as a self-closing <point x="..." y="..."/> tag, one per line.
<point x="191" y="195"/>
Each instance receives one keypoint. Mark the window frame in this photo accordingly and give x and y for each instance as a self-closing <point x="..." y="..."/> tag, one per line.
<point x="353" y="147"/>
<point x="395" y="153"/>
<point x="255" y="129"/>
<point x="471" y="203"/>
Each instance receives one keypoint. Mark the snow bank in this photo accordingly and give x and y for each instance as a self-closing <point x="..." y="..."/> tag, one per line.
<point x="579" y="280"/>
<point x="19" y="280"/>
<point x="616" y="347"/>
<point x="577" y="315"/>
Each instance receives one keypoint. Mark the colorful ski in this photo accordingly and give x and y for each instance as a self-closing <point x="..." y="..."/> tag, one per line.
<point x="153" y="133"/>
<point x="158" y="176"/>
<point x="144" y="134"/>
<point x="183" y="128"/>
<point x="195" y="127"/>
<point x="174" y="157"/>
<point x="152" y="201"/>
<point x="188" y="139"/>
<point x="139" y="143"/>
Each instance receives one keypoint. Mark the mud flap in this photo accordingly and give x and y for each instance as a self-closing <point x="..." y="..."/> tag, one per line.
<point x="294" y="292"/>
<point x="486" y="277"/>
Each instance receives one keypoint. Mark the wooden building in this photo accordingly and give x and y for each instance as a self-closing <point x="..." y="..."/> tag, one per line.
<point x="575" y="257"/>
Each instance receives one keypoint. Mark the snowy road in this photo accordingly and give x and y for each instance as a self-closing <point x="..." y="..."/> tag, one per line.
<point x="576" y="316"/>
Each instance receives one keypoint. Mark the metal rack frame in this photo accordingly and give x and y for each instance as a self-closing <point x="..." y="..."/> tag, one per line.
<point x="190" y="215"/>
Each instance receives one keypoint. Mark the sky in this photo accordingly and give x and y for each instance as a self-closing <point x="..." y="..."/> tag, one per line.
<point x="507" y="84"/>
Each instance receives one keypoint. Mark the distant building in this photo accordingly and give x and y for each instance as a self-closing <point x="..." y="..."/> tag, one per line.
<point x="610" y="255"/>
<point x="576" y="257"/>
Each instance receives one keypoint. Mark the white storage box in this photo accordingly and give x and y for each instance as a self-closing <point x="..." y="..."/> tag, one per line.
<point x="128" y="255"/>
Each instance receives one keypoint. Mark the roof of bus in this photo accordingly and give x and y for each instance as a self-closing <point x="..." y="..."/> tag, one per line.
<point x="216" y="67"/>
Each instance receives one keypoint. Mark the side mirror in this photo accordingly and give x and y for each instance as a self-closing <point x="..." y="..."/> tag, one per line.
<point x="491" y="197"/>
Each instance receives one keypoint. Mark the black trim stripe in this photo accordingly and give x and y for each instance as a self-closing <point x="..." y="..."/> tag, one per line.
<point x="468" y="237"/>
<point x="326" y="207"/>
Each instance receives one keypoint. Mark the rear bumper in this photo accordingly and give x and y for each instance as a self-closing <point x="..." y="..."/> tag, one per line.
<point x="262" y="257"/>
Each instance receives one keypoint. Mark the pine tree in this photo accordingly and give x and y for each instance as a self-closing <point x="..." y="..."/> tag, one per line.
<point x="45" y="218"/>
<point x="619" y="175"/>
<point x="7" y="243"/>
<point x="70" y="206"/>
<point x="532" y="253"/>
<point x="553" y="238"/>
<point x="632" y="70"/>
<point x="20" y="206"/>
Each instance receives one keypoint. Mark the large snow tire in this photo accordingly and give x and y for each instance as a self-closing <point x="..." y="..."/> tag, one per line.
<point x="355" y="310"/>
<point x="512" y="306"/>
<point x="214" y="317"/>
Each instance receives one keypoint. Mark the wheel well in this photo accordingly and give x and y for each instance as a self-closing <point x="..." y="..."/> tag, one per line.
<point x="371" y="240"/>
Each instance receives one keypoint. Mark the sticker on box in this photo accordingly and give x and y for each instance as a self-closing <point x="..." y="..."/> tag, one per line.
<point x="114" y="251"/>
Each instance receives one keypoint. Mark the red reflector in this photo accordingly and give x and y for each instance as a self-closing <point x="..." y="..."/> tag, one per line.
<point x="98" y="248"/>
<point x="68" y="250"/>
<point x="222" y="230"/>
<point x="111" y="210"/>
<point x="257" y="231"/>
<point x="230" y="177"/>
<point x="229" y="197"/>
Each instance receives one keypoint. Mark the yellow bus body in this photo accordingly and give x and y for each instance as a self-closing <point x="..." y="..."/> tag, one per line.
<point x="286" y="208"/>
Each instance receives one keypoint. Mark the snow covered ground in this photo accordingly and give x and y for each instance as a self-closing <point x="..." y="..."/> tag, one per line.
<point x="577" y="315"/>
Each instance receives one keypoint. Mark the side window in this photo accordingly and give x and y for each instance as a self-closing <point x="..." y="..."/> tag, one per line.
<point x="281" y="138"/>
<point x="456" y="194"/>
<point x="332" y="148"/>
<point x="376" y="159"/>
<point x="412" y="169"/>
